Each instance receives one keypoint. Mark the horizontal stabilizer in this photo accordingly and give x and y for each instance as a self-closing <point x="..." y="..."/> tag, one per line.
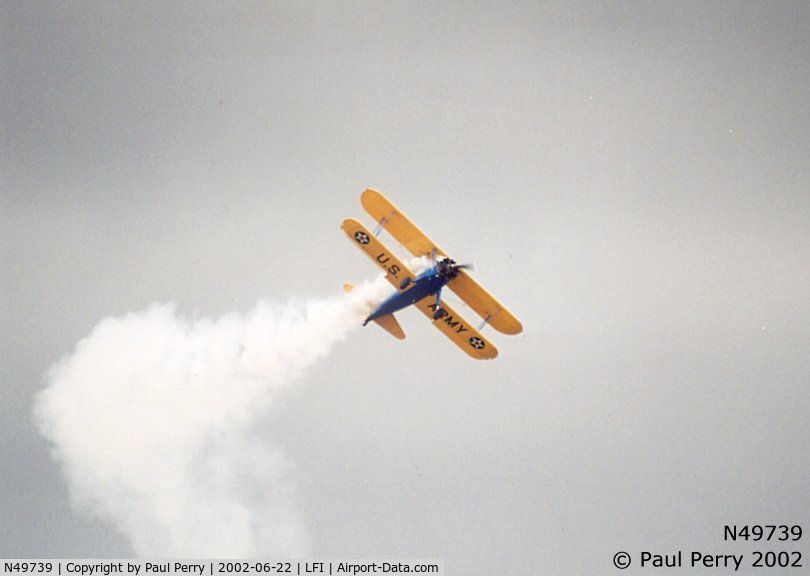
<point x="387" y="322"/>
<point x="390" y="325"/>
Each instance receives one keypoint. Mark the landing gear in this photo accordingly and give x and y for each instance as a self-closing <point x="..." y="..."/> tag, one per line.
<point x="405" y="283"/>
<point x="439" y="313"/>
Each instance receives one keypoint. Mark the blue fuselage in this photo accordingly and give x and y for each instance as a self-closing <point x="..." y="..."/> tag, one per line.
<point x="427" y="283"/>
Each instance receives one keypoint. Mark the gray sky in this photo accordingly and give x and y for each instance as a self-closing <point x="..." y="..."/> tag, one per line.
<point x="631" y="179"/>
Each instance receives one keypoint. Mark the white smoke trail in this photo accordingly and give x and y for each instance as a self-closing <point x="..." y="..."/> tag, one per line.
<point x="153" y="416"/>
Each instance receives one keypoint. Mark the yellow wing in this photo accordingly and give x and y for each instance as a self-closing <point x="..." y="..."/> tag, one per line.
<point x="456" y="328"/>
<point x="394" y="269"/>
<point x="484" y="303"/>
<point x="409" y="235"/>
<point x="406" y="232"/>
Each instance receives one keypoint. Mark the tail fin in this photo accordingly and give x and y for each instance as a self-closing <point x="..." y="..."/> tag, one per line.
<point x="387" y="322"/>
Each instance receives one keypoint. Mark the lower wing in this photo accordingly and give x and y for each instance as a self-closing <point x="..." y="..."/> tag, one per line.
<point x="456" y="328"/>
<point x="394" y="269"/>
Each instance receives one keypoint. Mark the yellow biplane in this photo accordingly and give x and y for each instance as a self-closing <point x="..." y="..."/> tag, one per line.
<point x="424" y="291"/>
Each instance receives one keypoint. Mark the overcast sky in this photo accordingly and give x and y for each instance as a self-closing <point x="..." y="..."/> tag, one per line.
<point x="630" y="178"/>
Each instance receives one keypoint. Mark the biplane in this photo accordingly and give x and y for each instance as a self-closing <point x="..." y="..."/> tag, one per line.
<point x="425" y="290"/>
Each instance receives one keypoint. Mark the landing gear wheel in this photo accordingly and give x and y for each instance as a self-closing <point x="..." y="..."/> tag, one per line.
<point x="439" y="313"/>
<point x="405" y="283"/>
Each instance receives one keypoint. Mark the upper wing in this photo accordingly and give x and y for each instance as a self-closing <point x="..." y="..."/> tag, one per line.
<point x="384" y="212"/>
<point x="394" y="269"/>
<point x="484" y="303"/>
<point x="409" y="235"/>
<point x="456" y="328"/>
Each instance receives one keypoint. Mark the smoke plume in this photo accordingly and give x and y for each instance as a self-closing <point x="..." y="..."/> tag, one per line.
<point x="153" y="420"/>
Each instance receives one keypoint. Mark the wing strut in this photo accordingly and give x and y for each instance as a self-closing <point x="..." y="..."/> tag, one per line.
<point x="485" y="322"/>
<point x="381" y="224"/>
